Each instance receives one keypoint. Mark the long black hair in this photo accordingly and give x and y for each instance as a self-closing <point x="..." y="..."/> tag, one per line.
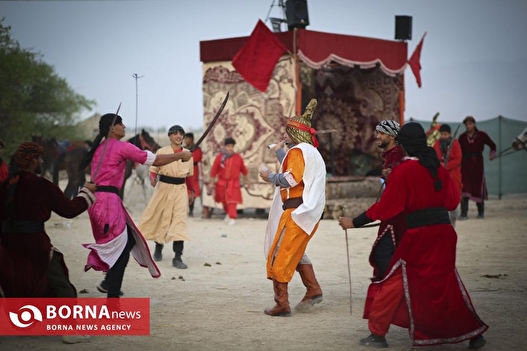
<point x="105" y="123"/>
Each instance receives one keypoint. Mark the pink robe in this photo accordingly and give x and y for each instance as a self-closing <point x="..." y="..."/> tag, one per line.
<point x="108" y="216"/>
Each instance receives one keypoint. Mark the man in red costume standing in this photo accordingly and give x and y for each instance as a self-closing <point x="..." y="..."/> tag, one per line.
<point x="449" y="154"/>
<point x="391" y="230"/>
<point x="228" y="166"/>
<point x="422" y="290"/>
<point x="472" y="143"/>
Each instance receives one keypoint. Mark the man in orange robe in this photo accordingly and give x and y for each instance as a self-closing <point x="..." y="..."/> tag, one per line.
<point x="295" y="213"/>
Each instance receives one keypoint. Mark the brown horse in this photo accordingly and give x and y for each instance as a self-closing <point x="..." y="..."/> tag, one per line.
<point x="71" y="160"/>
<point x="60" y="156"/>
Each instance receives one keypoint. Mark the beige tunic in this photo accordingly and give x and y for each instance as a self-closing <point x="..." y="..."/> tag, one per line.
<point x="165" y="216"/>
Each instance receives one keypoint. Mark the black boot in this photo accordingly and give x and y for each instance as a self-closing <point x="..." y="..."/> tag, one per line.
<point x="477" y="343"/>
<point x="464" y="208"/>
<point x="177" y="246"/>
<point x="158" y="255"/>
<point x="191" y="210"/>
<point x="375" y="341"/>
<point x="481" y="209"/>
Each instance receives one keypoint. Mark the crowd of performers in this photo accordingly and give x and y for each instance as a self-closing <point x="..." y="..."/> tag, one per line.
<point x="415" y="283"/>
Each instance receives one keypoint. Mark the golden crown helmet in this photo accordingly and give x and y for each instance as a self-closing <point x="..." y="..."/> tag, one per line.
<point x="299" y="127"/>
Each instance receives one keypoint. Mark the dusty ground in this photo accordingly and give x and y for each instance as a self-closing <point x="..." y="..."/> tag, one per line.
<point x="219" y="307"/>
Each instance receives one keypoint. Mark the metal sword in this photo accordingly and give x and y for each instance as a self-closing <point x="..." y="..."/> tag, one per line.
<point x="222" y="106"/>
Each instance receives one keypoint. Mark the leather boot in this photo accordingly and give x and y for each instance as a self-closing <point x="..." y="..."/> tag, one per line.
<point x="177" y="246"/>
<point x="314" y="292"/>
<point x="481" y="209"/>
<point x="464" y="208"/>
<point x="158" y="255"/>
<point x="281" y="297"/>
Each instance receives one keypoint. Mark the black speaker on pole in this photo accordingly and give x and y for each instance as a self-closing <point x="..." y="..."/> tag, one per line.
<point x="296" y="13"/>
<point x="403" y="27"/>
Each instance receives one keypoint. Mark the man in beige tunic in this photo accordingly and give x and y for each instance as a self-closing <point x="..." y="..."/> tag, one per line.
<point x="165" y="216"/>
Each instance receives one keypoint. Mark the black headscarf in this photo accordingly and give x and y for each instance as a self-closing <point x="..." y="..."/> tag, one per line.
<point x="106" y="121"/>
<point x="412" y="138"/>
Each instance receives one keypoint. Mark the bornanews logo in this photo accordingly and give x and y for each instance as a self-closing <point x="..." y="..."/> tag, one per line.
<point x="68" y="316"/>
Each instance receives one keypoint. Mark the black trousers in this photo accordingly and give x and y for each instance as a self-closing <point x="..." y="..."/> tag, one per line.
<point x="464" y="206"/>
<point x="383" y="254"/>
<point x="59" y="284"/>
<point x="114" y="277"/>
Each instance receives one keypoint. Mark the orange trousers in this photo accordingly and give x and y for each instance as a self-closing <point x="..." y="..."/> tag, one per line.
<point x="385" y="304"/>
<point x="287" y="249"/>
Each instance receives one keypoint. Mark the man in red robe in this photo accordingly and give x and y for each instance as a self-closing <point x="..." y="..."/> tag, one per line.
<point x="472" y="143"/>
<point x="30" y="266"/>
<point x="391" y="230"/>
<point x="422" y="290"/>
<point x="449" y="153"/>
<point x="228" y="166"/>
<point x="197" y="156"/>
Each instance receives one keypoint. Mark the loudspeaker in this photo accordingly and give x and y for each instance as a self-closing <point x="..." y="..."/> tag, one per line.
<point x="403" y="27"/>
<point x="296" y="13"/>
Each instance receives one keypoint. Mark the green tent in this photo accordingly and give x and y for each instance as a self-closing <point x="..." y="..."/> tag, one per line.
<point x="505" y="175"/>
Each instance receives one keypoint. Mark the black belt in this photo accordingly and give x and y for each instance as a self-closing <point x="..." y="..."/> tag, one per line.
<point x="293" y="202"/>
<point x="472" y="154"/>
<point x="171" y="180"/>
<point x="196" y="163"/>
<point x="14" y="226"/>
<point x="427" y="216"/>
<point x="107" y="189"/>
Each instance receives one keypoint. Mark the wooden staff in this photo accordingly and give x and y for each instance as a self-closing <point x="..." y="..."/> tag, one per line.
<point x="349" y="267"/>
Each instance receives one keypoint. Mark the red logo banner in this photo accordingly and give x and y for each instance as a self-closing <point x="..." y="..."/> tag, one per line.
<point x="74" y="316"/>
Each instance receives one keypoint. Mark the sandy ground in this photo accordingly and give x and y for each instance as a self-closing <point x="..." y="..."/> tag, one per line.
<point x="220" y="307"/>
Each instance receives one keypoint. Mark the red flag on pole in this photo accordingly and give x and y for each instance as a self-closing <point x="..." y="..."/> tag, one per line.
<point x="256" y="60"/>
<point x="415" y="59"/>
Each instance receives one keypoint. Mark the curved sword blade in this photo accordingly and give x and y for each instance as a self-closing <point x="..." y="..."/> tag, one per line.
<point x="207" y="131"/>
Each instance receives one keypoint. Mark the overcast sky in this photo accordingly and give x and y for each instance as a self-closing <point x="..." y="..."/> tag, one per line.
<point x="474" y="56"/>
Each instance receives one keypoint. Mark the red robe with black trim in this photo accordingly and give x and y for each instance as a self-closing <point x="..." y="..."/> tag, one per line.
<point x="472" y="171"/>
<point x="25" y="257"/>
<point x="436" y="307"/>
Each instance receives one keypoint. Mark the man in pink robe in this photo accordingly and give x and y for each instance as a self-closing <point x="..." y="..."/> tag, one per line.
<point x="115" y="234"/>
